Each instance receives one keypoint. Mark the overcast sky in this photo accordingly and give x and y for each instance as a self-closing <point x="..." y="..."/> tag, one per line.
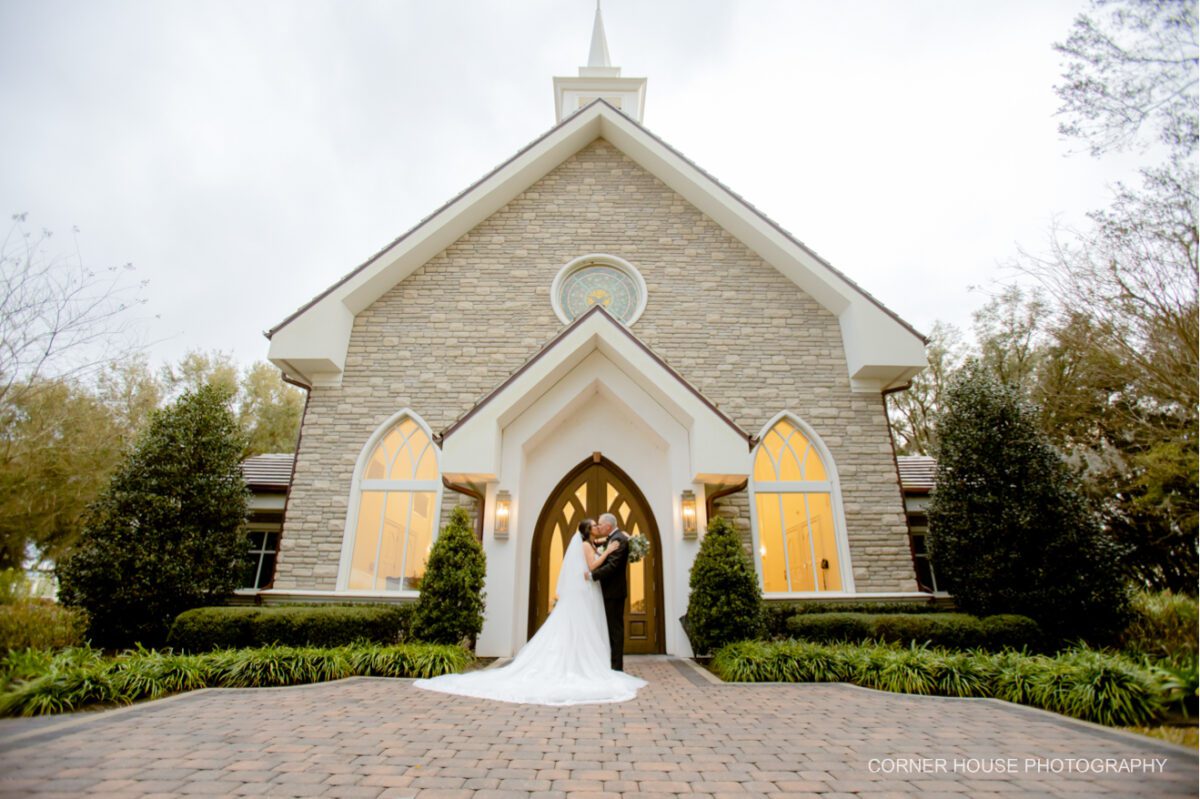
<point x="245" y="154"/>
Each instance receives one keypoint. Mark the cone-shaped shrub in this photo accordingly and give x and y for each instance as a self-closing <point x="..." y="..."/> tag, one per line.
<point x="165" y="535"/>
<point x="1009" y="529"/>
<point x="450" y="607"/>
<point x="725" y="604"/>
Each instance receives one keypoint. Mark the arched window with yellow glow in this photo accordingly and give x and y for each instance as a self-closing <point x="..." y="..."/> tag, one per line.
<point x="798" y="539"/>
<point x="395" y="502"/>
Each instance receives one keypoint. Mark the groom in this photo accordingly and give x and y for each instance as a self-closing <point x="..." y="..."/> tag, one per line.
<point x="614" y="585"/>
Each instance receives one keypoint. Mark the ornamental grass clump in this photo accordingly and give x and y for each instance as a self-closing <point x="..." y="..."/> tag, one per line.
<point x="1109" y="690"/>
<point x="150" y="674"/>
<point x="72" y="679"/>
<point x="1082" y="683"/>
<point x="282" y="665"/>
<point x="35" y="685"/>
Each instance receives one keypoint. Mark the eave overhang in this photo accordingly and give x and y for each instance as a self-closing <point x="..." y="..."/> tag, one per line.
<point x="882" y="351"/>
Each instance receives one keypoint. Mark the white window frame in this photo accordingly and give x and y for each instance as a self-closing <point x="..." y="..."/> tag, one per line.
<point x="260" y="552"/>
<point x="358" y="485"/>
<point x="831" y="485"/>
<point x="602" y="259"/>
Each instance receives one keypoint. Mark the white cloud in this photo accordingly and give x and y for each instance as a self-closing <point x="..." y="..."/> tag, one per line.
<point x="246" y="155"/>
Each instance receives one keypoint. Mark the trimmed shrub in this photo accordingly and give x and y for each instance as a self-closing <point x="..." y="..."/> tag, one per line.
<point x="1082" y="683"/>
<point x="777" y="614"/>
<point x="1010" y="530"/>
<point x="78" y="678"/>
<point x="40" y="624"/>
<point x="948" y="630"/>
<point x="165" y="535"/>
<point x="204" y="629"/>
<point x="824" y="627"/>
<point x="1011" y="631"/>
<point x="449" y="609"/>
<point x="725" y="603"/>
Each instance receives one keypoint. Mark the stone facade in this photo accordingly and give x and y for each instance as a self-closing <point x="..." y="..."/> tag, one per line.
<point x="732" y="325"/>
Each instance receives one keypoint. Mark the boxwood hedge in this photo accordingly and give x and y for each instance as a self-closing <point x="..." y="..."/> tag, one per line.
<point x="204" y="629"/>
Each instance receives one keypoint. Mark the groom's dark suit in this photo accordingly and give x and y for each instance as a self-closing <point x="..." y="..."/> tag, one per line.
<point x="614" y="587"/>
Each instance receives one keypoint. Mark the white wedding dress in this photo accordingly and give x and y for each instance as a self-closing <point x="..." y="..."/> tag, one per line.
<point x="567" y="660"/>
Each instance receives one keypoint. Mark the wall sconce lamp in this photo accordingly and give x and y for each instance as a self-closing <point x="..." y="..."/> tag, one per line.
<point x="688" y="508"/>
<point x="503" y="507"/>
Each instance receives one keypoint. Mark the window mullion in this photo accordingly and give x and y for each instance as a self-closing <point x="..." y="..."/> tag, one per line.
<point x="412" y="500"/>
<point x="783" y="537"/>
<point x="379" y="540"/>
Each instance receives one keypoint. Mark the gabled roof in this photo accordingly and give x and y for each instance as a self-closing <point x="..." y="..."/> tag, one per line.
<point x="549" y="347"/>
<point x="594" y="355"/>
<point x="882" y="350"/>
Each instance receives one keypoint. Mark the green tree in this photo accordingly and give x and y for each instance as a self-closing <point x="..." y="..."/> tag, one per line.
<point x="269" y="410"/>
<point x="165" y="535"/>
<point x="196" y="369"/>
<point x="1131" y="65"/>
<point x="450" y="607"/>
<point x="1123" y="391"/>
<point x="725" y="603"/>
<point x="1010" y="530"/>
<point x="913" y="411"/>
<point x="58" y="447"/>
<point x="131" y="392"/>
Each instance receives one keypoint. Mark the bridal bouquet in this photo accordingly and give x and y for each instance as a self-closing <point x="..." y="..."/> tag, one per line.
<point x="638" y="547"/>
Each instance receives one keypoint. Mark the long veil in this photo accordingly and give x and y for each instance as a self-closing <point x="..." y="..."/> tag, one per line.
<point x="565" y="663"/>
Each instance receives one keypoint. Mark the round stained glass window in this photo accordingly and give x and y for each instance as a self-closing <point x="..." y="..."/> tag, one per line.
<point x="588" y="282"/>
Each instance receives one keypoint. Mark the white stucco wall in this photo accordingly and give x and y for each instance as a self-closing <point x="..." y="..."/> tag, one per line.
<point x="596" y="408"/>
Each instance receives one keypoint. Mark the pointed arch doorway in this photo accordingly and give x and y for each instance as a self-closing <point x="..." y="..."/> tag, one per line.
<point x="595" y="486"/>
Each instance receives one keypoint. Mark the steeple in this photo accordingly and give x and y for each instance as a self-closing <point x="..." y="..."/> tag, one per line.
<point x="598" y="56"/>
<point x="599" y="79"/>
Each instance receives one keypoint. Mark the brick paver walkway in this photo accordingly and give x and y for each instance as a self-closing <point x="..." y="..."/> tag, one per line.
<point x="681" y="736"/>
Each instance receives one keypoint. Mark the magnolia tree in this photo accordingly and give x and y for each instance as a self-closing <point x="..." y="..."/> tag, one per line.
<point x="165" y="535"/>
<point x="1009" y="529"/>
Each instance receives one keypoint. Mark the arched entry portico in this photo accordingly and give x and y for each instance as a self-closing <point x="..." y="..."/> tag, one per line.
<point x="595" y="486"/>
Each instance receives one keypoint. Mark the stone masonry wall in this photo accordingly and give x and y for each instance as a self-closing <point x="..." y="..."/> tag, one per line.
<point x="742" y="333"/>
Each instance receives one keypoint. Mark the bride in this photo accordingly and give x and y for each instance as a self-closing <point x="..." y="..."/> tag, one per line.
<point x="567" y="660"/>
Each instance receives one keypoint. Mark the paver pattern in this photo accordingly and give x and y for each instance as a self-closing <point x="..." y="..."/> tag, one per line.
<point x="680" y="737"/>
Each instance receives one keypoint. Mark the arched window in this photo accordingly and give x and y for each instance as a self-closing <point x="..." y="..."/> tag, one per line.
<point x="395" y="504"/>
<point x="797" y="513"/>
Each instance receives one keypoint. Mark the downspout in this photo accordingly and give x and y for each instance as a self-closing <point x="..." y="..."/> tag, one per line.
<point x="710" y="498"/>
<point x="464" y="488"/>
<point x="896" y="467"/>
<point x="287" y="498"/>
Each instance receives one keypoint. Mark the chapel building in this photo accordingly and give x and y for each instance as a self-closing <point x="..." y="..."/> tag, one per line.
<point x="596" y="325"/>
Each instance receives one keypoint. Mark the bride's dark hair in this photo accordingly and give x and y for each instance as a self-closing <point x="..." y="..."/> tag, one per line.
<point x="585" y="528"/>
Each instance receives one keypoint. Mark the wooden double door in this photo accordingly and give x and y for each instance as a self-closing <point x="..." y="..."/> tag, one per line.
<point x="593" y="487"/>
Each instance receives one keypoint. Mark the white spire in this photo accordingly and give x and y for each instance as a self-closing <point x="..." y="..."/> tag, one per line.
<point x="599" y="80"/>
<point x="598" y="56"/>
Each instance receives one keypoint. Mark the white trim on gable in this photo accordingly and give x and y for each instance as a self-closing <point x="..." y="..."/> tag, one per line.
<point x="882" y="351"/>
<point x="719" y="452"/>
